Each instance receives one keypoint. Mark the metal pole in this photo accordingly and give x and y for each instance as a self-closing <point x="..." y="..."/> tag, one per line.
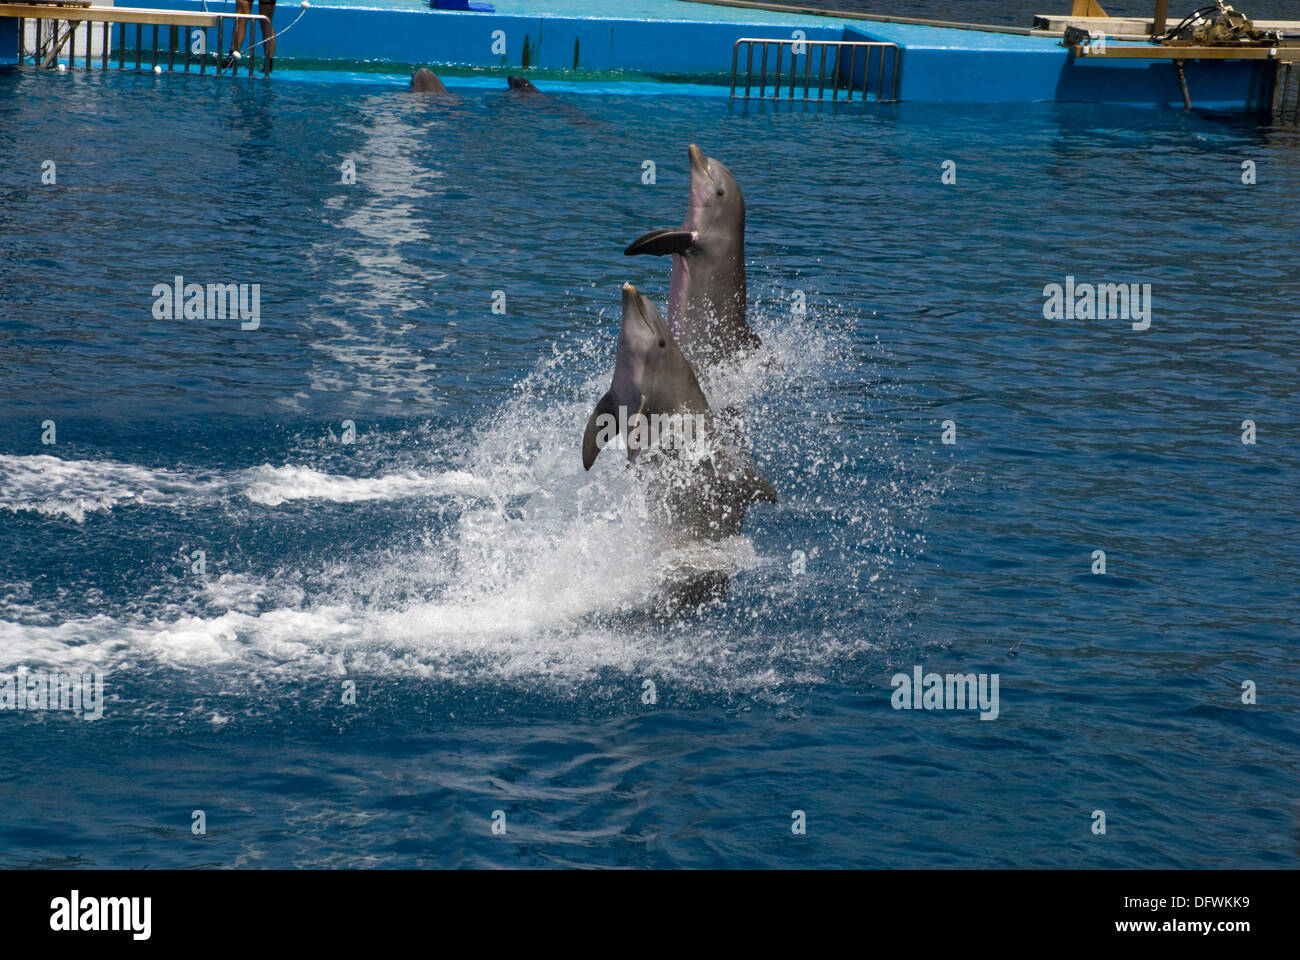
<point x="1182" y="82"/>
<point x="1162" y="15"/>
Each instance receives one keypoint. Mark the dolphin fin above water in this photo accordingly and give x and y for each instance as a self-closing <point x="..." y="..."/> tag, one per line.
<point x="593" y="440"/>
<point x="662" y="243"/>
<point x="595" y="436"/>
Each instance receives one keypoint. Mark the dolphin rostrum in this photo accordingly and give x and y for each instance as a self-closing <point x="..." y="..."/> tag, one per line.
<point x="706" y="297"/>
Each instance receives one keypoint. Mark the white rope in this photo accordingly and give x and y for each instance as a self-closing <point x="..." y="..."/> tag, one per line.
<point x="305" y="4"/>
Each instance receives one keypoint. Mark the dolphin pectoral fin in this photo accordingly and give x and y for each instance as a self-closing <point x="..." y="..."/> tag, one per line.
<point x="594" y="437"/>
<point x="661" y="243"/>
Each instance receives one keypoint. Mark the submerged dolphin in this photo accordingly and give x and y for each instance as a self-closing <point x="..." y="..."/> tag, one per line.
<point x="656" y="405"/>
<point x="425" y="80"/>
<point x="522" y="85"/>
<point x="706" y="298"/>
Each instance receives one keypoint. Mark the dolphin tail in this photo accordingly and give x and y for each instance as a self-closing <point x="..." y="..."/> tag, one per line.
<point x="661" y="243"/>
<point x="594" y="437"/>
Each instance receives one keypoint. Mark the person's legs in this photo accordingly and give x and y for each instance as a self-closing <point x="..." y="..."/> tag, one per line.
<point x="237" y="33"/>
<point x="267" y="8"/>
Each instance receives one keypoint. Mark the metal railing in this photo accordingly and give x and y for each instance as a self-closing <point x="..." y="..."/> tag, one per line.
<point x="851" y="69"/>
<point x="1286" y="93"/>
<point x="47" y="34"/>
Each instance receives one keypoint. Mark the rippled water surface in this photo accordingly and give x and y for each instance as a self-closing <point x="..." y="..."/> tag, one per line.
<point x="497" y="608"/>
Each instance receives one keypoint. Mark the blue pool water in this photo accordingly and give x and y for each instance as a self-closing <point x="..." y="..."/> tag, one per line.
<point x="495" y="606"/>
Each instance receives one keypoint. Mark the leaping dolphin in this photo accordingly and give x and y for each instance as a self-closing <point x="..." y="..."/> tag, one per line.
<point x="706" y="297"/>
<point x="656" y="405"/>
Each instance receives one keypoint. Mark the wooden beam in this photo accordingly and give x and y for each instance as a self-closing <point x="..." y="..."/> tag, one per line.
<point x="1160" y="23"/>
<point x="121" y="15"/>
<point x="1139" y="51"/>
<point x="1088" y="8"/>
<point x="851" y="15"/>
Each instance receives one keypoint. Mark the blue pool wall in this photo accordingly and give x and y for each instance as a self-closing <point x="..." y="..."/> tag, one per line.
<point x="8" y="40"/>
<point x="937" y="64"/>
<point x="972" y="66"/>
<point x="680" y="47"/>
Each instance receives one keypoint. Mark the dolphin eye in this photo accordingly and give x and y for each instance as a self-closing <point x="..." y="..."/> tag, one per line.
<point x="662" y="342"/>
<point x="721" y="191"/>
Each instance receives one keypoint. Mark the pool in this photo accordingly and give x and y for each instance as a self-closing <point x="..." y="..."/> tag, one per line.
<point x="380" y="484"/>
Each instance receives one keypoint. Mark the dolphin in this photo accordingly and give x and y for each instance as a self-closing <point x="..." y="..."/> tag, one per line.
<point x="651" y="378"/>
<point x="425" y="80"/>
<point x="706" y="295"/>
<point x="656" y="405"/>
<point x="524" y="91"/>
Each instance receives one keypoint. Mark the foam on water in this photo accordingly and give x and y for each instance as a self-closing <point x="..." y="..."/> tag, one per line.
<point x="74" y="489"/>
<point x="536" y="574"/>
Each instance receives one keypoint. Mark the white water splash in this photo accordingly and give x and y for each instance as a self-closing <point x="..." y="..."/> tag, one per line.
<point x="543" y="574"/>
